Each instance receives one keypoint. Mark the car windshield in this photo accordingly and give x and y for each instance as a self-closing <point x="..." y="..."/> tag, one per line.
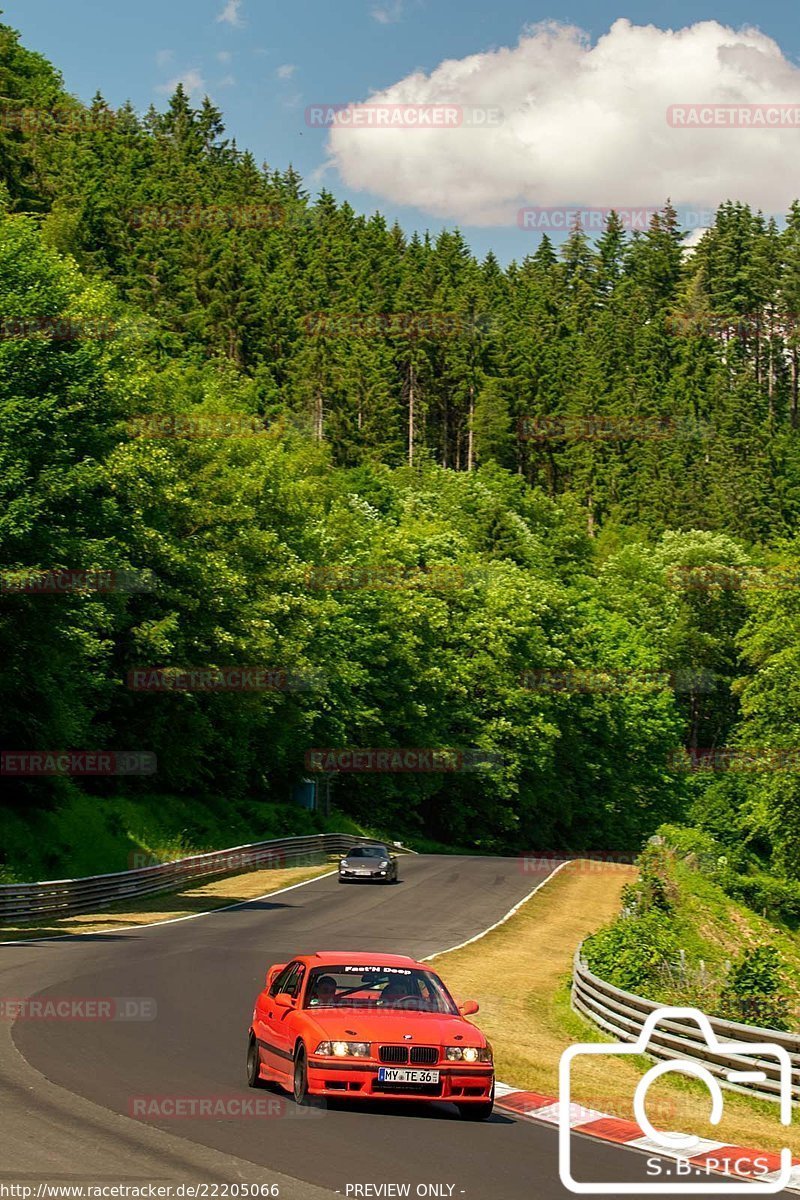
<point x="379" y="988"/>
<point x="367" y="852"/>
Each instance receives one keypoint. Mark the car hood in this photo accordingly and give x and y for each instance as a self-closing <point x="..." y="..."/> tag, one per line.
<point x="373" y="863"/>
<point x="426" y="1029"/>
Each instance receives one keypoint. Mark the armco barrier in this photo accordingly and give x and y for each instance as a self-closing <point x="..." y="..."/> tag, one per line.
<point x="622" y="1015"/>
<point x="63" y="897"/>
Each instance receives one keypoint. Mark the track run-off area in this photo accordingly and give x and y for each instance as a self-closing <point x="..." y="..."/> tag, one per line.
<point x="68" y="1088"/>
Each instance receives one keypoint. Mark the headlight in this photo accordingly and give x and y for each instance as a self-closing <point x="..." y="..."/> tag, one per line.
<point x="343" y="1049"/>
<point x="470" y="1054"/>
<point x="342" y="862"/>
<point x="385" y="863"/>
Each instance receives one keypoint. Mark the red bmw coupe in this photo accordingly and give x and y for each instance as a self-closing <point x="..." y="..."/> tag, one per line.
<point x="368" y="1027"/>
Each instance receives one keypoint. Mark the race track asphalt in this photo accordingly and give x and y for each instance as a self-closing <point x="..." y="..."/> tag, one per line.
<point x="66" y="1087"/>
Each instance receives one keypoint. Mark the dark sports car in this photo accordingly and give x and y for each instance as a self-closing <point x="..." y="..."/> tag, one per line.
<point x="370" y="864"/>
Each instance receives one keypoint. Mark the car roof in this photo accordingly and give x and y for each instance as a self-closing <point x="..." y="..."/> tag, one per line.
<point x="357" y="957"/>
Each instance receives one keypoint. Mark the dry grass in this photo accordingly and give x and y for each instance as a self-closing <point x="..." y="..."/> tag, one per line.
<point x="147" y="910"/>
<point x="520" y="973"/>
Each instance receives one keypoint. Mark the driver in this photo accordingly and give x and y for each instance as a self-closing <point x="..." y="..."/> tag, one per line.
<point x="324" y="990"/>
<point x="397" y="990"/>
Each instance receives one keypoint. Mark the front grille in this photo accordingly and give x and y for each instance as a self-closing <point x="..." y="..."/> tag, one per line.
<point x="424" y="1054"/>
<point x="393" y="1054"/>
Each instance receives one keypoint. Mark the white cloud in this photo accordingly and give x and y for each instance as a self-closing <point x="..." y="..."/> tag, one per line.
<point x="693" y="239"/>
<point x="389" y="13"/>
<point x="231" y="14"/>
<point x="224" y="56"/>
<point x="164" y="57"/>
<point x="584" y="124"/>
<point x="286" y="71"/>
<point x="228" y="81"/>
<point x="192" y="80"/>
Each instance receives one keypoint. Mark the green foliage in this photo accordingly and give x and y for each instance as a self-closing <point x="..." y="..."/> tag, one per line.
<point x="491" y="424"/>
<point x="485" y="579"/>
<point x="770" y="702"/>
<point x="682" y="914"/>
<point x="753" y="990"/>
<point x="775" y="898"/>
<point x="692" y="843"/>
<point x="654" y="890"/>
<point x="82" y="836"/>
<point x="640" y="945"/>
<point x="392" y="445"/>
<point x="611" y="341"/>
<point x="633" y="952"/>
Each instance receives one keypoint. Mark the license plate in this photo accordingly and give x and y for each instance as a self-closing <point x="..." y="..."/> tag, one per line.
<point x="362" y="871"/>
<point x="404" y="1075"/>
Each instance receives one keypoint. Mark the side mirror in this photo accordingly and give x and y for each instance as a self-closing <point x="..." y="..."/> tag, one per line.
<point x="284" y="1000"/>
<point x="272" y="973"/>
<point x="469" y="1007"/>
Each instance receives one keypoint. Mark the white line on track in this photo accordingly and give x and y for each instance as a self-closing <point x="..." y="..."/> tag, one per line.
<point x="171" y="920"/>
<point x="511" y="912"/>
<point x="60" y="937"/>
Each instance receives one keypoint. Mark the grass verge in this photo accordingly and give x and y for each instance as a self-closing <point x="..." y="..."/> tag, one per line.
<point x="521" y="972"/>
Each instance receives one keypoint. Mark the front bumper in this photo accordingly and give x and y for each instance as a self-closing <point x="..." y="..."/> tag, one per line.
<point x="360" y="877"/>
<point x="359" y="1080"/>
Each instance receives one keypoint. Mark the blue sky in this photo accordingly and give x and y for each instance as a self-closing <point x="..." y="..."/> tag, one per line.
<point x="263" y="63"/>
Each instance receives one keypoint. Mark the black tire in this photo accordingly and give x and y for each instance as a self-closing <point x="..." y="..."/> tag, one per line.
<point x="300" y="1082"/>
<point x="476" y="1112"/>
<point x="254" y="1080"/>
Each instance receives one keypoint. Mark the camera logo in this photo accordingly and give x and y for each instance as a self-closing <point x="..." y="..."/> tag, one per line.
<point x="748" y="1058"/>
